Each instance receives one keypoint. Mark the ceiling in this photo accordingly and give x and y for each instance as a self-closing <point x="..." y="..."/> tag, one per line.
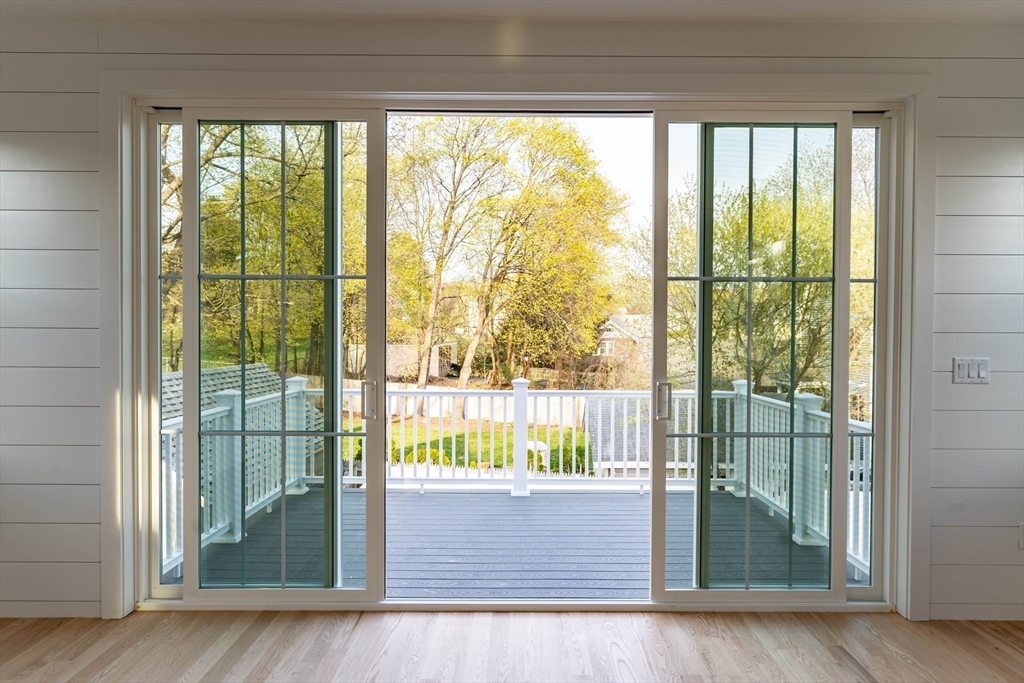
<point x="974" y="11"/>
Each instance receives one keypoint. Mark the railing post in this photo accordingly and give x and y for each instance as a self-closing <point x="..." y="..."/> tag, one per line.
<point x="519" y="437"/>
<point x="295" y="420"/>
<point x="741" y="447"/>
<point x="228" y="467"/>
<point x="808" y="470"/>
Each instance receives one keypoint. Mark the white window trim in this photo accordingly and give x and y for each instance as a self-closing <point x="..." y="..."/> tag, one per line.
<point x="122" y="93"/>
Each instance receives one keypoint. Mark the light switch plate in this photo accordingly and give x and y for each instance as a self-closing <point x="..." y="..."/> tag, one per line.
<point x="970" y="370"/>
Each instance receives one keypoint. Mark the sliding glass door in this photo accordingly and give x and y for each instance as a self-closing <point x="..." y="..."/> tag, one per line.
<point x="752" y="319"/>
<point x="276" y="404"/>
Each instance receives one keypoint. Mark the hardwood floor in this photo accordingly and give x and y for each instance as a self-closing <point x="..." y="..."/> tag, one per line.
<point x="493" y="646"/>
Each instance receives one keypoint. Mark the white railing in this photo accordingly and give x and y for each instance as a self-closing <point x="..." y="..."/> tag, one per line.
<point x="444" y="437"/>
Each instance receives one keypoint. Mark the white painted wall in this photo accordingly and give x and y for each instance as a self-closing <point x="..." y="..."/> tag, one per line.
<point x="51" y="377"/>
<point x="977" y="499"/>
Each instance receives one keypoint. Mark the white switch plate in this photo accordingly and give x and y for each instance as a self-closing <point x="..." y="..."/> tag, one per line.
<point x="970" y="370"/>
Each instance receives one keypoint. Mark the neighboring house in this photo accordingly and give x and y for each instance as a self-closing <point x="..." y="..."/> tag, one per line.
<point x="624" y="333"/>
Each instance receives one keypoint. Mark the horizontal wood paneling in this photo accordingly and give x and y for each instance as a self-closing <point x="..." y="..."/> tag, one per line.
<point x="1006" y="351"/>
<point x="979" y="313"/>
<point x="44" y="426"/>
<point x="49" y="230"/>
<point x="977" y="585"/>
<point x="295" y="36"/>
<point x="1004" y="392"/>
<point x="49" y="348"/>
<point x="49" y="465"/>
<point x="50" y="542"/>
<point x="57" y="112"/>
<point x="19" y="609"/>
<point x="25" y="72"/>
<point x="979" y="156"/>
<point x="49" y="308"/>
<point x="979" y="196"/>
<point x="981" y="78"/>
<point x="979" y="235"/>
<point x="977" y="507"/>
<point x="49" y="269"/>
<point x="979" y="274"/>
<point x="48" y="151"/>
<point x="969" y="429"/>
<point x="49" y="503"/>
<point x="34" y="34"/>
<point x="980" y="118"/>
<point x="977" y="469"/>
<point x="968" y="545"/>
<point x="49" y="581"/>
<point x="50" y="386"/>
<point x="60" y="190"/>
<point x="977" y="612"/>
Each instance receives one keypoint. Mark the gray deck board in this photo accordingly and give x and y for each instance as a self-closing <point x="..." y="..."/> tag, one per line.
<point x="487" y="545"/>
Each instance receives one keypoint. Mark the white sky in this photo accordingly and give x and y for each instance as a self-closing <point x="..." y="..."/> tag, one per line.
<point x="624" y="147"/>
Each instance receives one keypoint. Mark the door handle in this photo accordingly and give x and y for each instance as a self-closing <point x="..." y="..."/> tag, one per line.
<point x="663" y="399"/>
<point x="369" y="400"/>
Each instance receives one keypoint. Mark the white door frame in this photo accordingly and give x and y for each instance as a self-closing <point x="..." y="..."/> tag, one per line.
<point x="124" y="92"/>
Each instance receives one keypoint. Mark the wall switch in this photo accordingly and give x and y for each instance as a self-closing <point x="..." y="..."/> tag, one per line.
<point x="970" y="370"/>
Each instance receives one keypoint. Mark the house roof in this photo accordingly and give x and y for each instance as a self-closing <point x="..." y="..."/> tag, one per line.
<point x="260" y="380"/>
<point x="635" y="326"/>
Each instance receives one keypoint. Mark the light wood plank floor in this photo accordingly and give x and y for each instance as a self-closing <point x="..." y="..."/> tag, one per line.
<point x="493" y="646"/>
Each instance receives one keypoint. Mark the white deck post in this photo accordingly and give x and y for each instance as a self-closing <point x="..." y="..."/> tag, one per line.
<point x="519" y="437"/>
<point x="741" y="446"/>
<point x="295" y="420"/>
<point x="228" y="466"/>
<point x="808" y="470"/>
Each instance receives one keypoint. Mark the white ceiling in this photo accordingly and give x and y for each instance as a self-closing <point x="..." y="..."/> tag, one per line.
<point x="995" y="11"/>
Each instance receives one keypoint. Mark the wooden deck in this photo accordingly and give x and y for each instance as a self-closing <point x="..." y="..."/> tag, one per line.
<point x="480" y="545"/>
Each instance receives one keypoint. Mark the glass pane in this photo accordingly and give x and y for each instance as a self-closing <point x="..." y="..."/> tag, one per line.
<point x="306" y="531"/>
<point x="815" y="205"/>
<point x="306" y="211"/>
<point x="730" y="200"/>
<point x="682" y="337"/>
<point x="263" y="361"/>
<point x="728" y="358"/>
<point x="680" y="511"/>
<point x="352" y="509"/>
<point x="781" y="516"/>
<point x="305" y="365"/>
<point x="683" y="197"/>
<point x="863" y="201"/>
<point x="859" y="510"/>
<point x="263" y="229"/>
<point x="770" y="356"/>
<point x="812" y="366"/>
<point x="240" y="498"/>
<point x="170" y="198"/>
<point x="862" y="354"/>
<point x="220" y="192"/>
<point x="353" y="198"/>
<point x="773" y="202"/>
<point x="220" y="373"/>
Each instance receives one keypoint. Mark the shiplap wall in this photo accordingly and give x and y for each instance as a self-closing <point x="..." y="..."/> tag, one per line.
<point x="977" y="499"/>
<point x="49" y="237"/>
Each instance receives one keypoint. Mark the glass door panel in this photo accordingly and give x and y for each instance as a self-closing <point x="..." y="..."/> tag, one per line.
<point x="749" y="323"/>
<point x="282" y="346"/>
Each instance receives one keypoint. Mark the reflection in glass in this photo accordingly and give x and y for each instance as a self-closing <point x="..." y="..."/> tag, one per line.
<point x="729" y="400"/>
<point x="305" y="198"/>
<point x="351" y="490"/>
<point x="353" y="198"/>
<point x="772" y="195"/>
<point x="682" y="337"/>
<point x="220" y="198"/>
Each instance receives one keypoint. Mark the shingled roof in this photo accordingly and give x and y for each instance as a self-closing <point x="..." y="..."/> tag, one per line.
<point x="260" y="380"/>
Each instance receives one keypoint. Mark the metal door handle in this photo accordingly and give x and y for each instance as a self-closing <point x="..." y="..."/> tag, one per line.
<point x="663" y="397"/>
<point x="369" y="398"/>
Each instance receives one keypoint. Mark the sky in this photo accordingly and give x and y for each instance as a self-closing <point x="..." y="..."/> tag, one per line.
<point x="624" y="148"/>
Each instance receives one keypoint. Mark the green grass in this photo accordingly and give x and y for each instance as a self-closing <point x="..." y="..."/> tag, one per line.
<point x="467" y="446"/>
